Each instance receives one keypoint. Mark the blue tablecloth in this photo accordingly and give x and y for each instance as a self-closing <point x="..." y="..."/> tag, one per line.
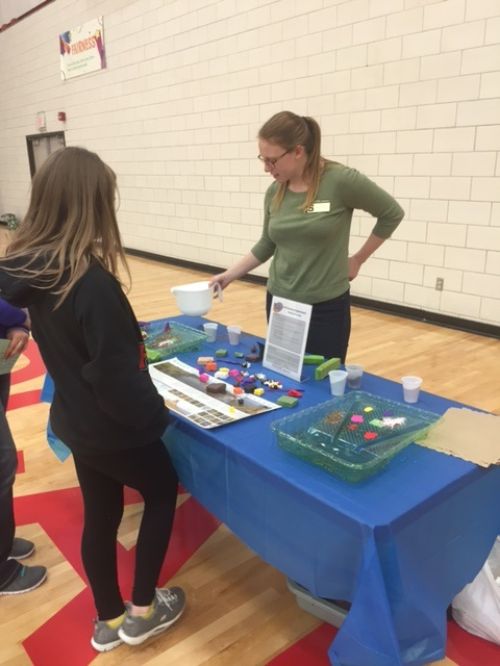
<point x="398" y="546"/>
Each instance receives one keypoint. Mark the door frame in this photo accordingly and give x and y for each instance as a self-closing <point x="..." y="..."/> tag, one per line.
<point x="29" y="145"/>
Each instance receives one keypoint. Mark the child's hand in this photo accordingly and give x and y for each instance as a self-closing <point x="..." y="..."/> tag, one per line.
<point x="18" y="341"/>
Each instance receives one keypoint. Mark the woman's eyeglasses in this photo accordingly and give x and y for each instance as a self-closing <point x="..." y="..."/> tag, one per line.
<point x="271" y="161"/>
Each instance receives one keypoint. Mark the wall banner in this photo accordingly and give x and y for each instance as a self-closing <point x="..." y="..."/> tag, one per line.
<point x="82" y="49"/>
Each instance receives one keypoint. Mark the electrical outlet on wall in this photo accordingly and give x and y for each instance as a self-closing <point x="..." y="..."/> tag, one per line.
<point x="439" y="284"/>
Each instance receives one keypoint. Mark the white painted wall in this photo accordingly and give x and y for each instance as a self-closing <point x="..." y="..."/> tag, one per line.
<point x="407" y="91"/>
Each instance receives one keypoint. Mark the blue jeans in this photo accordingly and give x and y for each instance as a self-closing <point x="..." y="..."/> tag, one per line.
<point x="8" y="466"/>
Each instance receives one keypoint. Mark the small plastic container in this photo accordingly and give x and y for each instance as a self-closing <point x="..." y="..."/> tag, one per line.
<point x="354" y="436"/>
<point x="210" y="329"/>
<point x="411" y="388"/>
<point x="233" y="333"/>
<point x="354" y="375"/>
<point x="337" y="381"/>
<point x="164" y="339"/>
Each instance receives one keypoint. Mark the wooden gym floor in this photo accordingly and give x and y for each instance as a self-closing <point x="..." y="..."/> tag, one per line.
<point x="240" y="610"/>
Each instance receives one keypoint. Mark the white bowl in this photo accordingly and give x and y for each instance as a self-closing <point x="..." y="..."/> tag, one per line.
<point x="195" y="299"/>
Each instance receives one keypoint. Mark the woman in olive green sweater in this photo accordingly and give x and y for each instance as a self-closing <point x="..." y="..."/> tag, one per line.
<point x="307" y="220"/>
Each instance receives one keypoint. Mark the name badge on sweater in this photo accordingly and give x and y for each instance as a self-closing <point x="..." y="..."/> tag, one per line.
<point x="319" y="207"/>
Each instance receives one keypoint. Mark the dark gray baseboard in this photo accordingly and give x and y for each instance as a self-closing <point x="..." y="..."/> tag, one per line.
<point x="467" y="325"/>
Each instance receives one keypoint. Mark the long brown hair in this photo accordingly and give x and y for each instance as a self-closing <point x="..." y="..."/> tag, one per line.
<point x="288" y="130"/>
<point x="70" y="221"/>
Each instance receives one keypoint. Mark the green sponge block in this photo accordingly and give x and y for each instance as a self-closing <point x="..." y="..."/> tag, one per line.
<point x="221" y="353"/>
<point x="287" y="401"/>
<point x="322" y="370"/>
<point x="313" y="359"/>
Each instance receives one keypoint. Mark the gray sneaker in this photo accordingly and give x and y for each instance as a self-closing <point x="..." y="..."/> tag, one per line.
<point x="168" y="605"/>
<point x="27" y="579"/>
<point x="21" y="548"/>
<point x="105" y="638"/>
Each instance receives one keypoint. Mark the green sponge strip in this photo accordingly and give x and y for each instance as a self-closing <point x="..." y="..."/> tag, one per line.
<point x="322" y="370"/>
<point x="287" y="401"/>
<point x="313" y="359"/>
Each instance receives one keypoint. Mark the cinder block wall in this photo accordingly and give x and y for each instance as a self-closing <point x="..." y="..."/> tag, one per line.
<point x="407" y="91"/>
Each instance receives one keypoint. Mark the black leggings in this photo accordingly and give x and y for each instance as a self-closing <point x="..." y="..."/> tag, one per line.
<point x="330" y="326"/>
<point x="102" y="478"/>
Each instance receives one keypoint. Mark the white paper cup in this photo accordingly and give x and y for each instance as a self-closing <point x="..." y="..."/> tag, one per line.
<point x="234" y="333"/>
<point x="354" y="375"/>
<point x="411" y="388"/>
<point x="210" y="329"/>
<point x="337" y="381"/>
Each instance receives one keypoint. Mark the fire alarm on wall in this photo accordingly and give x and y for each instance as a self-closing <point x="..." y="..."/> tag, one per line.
<point x="61" y="115"/>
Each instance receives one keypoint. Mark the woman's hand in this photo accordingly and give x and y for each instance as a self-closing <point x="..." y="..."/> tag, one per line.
<point x="223" y="279"/>
<point x="371" y="244"/>
<point x="354" y="264"/>
<point x="18" y="341"/>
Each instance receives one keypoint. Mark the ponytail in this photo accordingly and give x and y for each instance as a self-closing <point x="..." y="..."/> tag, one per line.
<point x="313" y="168"/>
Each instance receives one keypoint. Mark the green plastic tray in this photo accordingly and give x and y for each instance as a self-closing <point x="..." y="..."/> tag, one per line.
<point x="331" y="435"/>
<point x="162" y="343"/>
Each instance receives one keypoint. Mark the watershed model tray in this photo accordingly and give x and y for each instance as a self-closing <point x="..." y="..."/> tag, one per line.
<point x="164" y="339"/>
<point x="353" y="436"/>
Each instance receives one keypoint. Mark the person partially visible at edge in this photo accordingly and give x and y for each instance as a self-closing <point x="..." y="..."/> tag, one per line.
<point x="63" y="266"/>
<point x="15" y="577"/>
<point x="307" y="221"/>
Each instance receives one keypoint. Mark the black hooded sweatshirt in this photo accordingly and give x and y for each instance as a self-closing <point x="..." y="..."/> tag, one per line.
<point x="92" y="347"/>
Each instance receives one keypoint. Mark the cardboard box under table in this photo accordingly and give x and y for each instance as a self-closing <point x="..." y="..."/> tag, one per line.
<point x="397" y="546"/>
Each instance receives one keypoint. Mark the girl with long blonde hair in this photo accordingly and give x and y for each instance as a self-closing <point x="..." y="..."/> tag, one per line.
<point x="63" y="265"/>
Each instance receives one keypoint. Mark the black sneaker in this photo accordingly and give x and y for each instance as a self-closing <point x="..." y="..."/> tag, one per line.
<point x="27" y="579"/>
<point x="168" y="606"/>
<point x="21" y="548"/>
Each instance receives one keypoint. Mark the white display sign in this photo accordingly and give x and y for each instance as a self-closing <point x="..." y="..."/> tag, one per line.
<point x="287" y="337"/>
<point x="82" y="49"/>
